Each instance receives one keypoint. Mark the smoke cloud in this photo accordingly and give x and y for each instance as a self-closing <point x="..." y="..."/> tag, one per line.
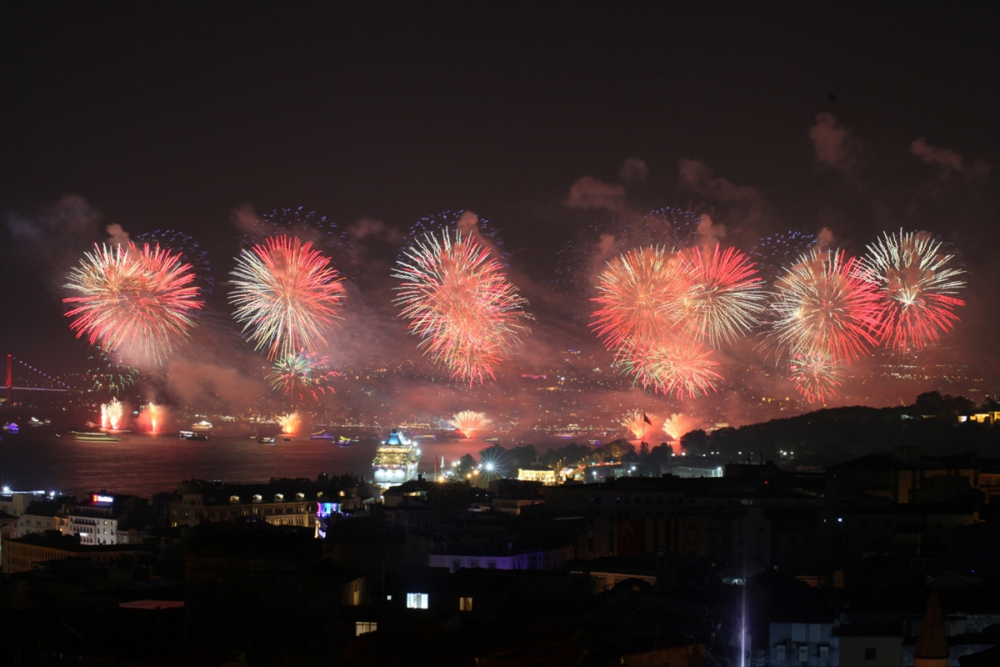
<point x="367" y="229"/>
<point x="708" y="232"/>
<point x="834" y="145"/>
<point x="588" y="193"/>
<point x="58" y="233"/>
<point x="937" y="156"/>
<point x="633" y="171"/>
<point x="949" y="164"/>
<point x="825" y="239"/>
<point x="748" y="206"/>
<point x="244" y="218"/>
<point x="118" y="234"/>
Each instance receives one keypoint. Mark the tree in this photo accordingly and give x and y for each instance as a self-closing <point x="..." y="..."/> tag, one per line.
<point x="466" y="465"/>
<point x="930" y="403"/>
<point x="493" y="453"/>
<point x="522" y="456"/>
<point x="662" y="451"/>
<point x="695" y="442"/>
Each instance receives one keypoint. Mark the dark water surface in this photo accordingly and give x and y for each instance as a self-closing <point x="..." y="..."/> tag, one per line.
<point x="141" y="464"/>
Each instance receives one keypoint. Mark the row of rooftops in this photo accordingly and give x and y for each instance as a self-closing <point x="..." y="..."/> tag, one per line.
<point x="217" y="492"/>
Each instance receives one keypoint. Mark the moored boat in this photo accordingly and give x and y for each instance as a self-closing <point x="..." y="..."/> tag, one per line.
<point x="91" y="436"/>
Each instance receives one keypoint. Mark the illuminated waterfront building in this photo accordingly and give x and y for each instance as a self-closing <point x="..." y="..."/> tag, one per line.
<point x="537" y="473"/>
<point x="104" y="518"/>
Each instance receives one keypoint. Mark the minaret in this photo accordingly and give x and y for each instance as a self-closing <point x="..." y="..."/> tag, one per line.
<point x="932" y="644"/>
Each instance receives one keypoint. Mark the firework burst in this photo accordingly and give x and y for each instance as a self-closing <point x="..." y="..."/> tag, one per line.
<point x="723" y="299"/>
<point x="134" y="302"/>
<point x="287" y="296"/>
<point x="112" y="414"/>
<point x="815" y="375"/>
<point x="674" y="427"/>
<point x="190" y="252"/>
<point x="917" y="281"/>
<point x="155" y="415"/>
<point x="109" y="374"/>
<point x="289" y="423"/>
<point x="460" y="303"/>
<point x="640" y="297"/>
<point x="825" y="306"/>
<point x="680" y="368"/>
<point x="638" y="423"/>
<point x="469" y="422"/>
<point x="301" y="375"/>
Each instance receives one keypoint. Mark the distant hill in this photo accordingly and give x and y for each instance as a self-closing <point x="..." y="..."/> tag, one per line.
<point x="836" y="434"/>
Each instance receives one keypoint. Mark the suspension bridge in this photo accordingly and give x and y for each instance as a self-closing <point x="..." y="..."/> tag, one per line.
<point x="33" y="378"/>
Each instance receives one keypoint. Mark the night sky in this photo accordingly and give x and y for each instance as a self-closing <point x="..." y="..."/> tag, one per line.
<point x="854" y="117"/>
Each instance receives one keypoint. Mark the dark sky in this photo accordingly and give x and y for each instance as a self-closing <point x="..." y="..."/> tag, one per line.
<point x="170" y="115"/>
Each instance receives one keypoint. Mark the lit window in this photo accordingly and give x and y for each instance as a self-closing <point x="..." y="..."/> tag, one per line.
<point x="364" y="627"/>
<point x="416" y="600"/>
<point x="465" y="604"/>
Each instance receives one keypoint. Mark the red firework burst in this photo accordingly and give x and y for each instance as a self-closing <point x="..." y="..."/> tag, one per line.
<point x="917" y="281"/>
<point x="136" y="302"/>
<point x="640" y="296"/>
<point x="825" y="305"/>
<point x="724" y="298"/>
<point x="680" y="368"/>
<point x="287" y="295"/>
<point x="460" y="303"/>
<point x="816" y="375"/>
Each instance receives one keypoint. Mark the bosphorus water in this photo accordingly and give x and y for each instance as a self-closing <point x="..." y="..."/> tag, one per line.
<point x="143" y="464"/>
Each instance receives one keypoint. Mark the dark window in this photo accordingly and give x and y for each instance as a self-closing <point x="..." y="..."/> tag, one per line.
<point x="869" y="654"/>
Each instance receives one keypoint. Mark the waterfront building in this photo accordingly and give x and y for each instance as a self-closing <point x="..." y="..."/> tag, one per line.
<point x="104" y="518"/>
<point x="42" y="517"/>
<point x="537" y="473"/>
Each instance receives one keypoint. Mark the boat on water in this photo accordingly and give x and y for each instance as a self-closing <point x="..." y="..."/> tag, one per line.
<point x="193" y="435"/>
<point x="91" y="436"/>
<point x="396" y="460"/>
<point x="321" y="435"/>
<point x="266" y="440"/>
<point x="11" y="427"/>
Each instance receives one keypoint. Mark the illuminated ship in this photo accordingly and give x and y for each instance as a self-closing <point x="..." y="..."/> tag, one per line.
<point x="395" y="460"/>
<point x="90" y="436"/>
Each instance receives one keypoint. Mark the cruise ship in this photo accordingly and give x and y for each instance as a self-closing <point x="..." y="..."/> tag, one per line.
<point x="395" y="460"/>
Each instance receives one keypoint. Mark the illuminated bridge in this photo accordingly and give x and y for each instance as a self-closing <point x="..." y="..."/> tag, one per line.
<point x="33" y="378"/>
